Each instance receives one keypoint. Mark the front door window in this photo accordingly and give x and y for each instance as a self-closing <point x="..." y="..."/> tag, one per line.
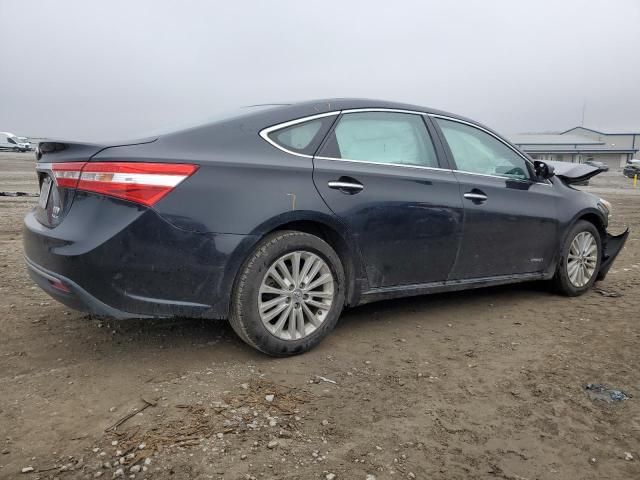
<point x="475" y="151"/>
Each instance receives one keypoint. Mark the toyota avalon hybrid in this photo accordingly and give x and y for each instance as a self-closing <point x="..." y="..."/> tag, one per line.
<point x="279" y="216"/>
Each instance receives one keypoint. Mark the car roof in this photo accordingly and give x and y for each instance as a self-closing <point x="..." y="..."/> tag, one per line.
<point x="269" y="114"/>
<point x="261" y="116"/>
<point x="275" y="113"/>
<point x="333" y="104"/>
<point x="283" y="112"/>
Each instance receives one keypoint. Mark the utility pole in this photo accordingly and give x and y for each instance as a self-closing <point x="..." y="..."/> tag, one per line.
<point x="584" y="106"/>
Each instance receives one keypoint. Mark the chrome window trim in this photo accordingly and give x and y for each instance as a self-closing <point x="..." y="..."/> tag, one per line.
<point x="383" y="164"/>
<point x="382" y="109"/>
<point x="473" y="125"/>
<point x="503" y="177"/>
<point x="264" y="133"/>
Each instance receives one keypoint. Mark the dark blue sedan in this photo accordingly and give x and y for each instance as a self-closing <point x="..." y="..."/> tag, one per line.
<point x="281" y="215"/>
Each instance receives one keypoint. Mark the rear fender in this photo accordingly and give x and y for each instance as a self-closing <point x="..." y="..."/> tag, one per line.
<point x="354" y="264"/>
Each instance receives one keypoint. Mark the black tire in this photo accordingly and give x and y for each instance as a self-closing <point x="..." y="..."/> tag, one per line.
<point x="16" y="149"/>
<point x="561" y="279"/>
<point x="245" y="316"/>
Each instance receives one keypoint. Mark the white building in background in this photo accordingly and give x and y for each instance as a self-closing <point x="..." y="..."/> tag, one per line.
<point x="579" y="144"/>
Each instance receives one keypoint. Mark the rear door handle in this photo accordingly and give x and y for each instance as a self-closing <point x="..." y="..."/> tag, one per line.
<point x="348" y="186"/>
<point x="476" y="196"/>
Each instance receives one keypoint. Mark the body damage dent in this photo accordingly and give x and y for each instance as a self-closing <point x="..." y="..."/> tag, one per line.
<point x="572" y="173"/>
<point x="611" y="247"/>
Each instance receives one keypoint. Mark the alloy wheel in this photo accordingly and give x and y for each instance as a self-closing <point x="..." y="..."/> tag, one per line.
<point x="582" y="259"/>
<point x="295" y="295"/>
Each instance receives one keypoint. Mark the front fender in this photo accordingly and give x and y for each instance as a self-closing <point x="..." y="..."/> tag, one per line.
<point x="591" y="214"/>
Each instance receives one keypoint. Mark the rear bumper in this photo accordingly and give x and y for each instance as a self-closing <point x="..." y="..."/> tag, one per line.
<point x="122" y="260"/>
<point x="71" y="294"/>
<point x="612" y="245"/>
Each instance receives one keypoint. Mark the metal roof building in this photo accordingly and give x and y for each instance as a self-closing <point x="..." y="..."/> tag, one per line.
<point x="580" y="144"/>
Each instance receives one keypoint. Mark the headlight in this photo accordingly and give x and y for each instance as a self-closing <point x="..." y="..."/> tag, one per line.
<point x="606" y="206"/>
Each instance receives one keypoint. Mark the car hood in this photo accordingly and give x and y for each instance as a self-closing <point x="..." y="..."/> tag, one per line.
<point x="574" y="172"/>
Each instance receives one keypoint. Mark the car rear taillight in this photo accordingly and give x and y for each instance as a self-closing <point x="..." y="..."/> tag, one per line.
<point x="67" y="175"/>
<point x="144" y="183"/>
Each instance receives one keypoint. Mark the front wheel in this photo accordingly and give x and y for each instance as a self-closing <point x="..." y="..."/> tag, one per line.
<point x="289" y="294"/>
<point x="579" y="260"/>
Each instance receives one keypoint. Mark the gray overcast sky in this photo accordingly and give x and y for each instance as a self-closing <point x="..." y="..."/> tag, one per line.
<point x="106" y="69"/>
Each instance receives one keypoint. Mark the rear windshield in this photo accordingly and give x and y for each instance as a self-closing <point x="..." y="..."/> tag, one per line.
<point x="220" y="116"/>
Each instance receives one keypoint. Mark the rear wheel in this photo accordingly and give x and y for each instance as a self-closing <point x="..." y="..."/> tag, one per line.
<point x="289" y="294"/>
<point x="579" y="260"/>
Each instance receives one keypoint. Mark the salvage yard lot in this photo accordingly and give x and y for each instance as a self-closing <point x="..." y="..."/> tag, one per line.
<point x="479" y="384"/>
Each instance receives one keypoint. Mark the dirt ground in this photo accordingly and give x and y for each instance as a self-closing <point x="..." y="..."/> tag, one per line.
<point x="486" y="384"/>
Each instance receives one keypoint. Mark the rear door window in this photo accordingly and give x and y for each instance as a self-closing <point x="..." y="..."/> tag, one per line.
<point x="381" y="137"/>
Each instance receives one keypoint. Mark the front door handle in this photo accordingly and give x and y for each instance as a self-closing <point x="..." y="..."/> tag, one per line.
<point x="346" y="185"/>
<point x="476" y="196"/>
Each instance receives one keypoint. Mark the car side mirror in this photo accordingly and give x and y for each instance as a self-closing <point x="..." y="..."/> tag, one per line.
<point x="543" y="170"/>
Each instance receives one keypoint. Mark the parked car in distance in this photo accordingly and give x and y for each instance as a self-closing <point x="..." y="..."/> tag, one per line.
<point x="278" y="217"/>
<point x="25" y="141"/>
<point x="631" y="169"/>
<point x="595" y="163"/>
<point x="633" y="161"/>
<point x="9" y="141"/>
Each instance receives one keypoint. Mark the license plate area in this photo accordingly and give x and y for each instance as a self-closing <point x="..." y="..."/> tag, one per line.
<point x="54" y="203"/>
<point x="45" y="191"/>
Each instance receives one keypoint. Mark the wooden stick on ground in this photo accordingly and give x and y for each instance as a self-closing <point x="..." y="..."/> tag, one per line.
<point x="147" y="404"/>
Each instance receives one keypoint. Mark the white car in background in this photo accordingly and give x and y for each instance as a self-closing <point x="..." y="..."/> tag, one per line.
<point x="9" y="141"/>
